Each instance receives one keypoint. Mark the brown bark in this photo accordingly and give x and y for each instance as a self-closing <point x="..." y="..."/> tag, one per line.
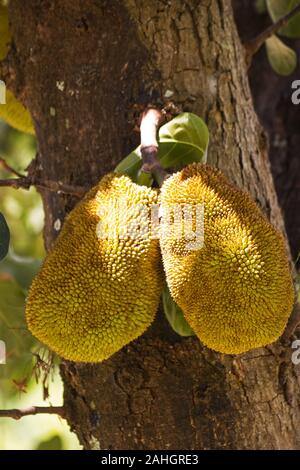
<point x="161" y="391"/>
<point x="279" y="116"/>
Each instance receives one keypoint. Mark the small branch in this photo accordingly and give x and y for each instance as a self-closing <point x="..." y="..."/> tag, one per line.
<point x="25" y="182"/>
<point x="32" y="410"/>
<point x="151" y="120"/>
<point x="57" y="187"/>
<point x="8" y="168"/>
<point x="255" y="44"/>
<point x="293" y="323"/>
<point x="16" y="183"/>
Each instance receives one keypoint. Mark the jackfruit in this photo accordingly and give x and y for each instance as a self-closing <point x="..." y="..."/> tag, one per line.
<point x="99" y="287"/>
<point x="236" y="291"/>
<point x="13" y="112"/>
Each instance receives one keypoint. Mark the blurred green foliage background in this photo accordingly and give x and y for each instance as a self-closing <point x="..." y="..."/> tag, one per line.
<point x="30" y="372"/>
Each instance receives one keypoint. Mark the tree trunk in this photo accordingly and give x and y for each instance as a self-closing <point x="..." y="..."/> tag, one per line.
<point x="84" y="69"/>
<point x="279" y="116"/>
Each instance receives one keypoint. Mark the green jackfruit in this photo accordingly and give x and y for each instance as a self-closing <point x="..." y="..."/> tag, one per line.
<point x="13" y="112"/>
<point x="99" y="287"/>
<point x="236" y="291"/>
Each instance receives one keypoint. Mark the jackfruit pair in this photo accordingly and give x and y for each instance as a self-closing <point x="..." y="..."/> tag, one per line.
<point x="13" y="112"/>
<point x="99" y="288"/>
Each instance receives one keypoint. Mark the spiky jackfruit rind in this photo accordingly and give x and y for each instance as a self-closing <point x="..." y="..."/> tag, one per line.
<point x="13" y="112"/>
<point x="236" y="291"/>
<point x="94" y="295"/>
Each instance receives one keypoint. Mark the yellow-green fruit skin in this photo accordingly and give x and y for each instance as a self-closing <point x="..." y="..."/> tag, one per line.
<point x="236" y="291"/>
<point x="13" y="112"/>
<point x="99" y="287"/>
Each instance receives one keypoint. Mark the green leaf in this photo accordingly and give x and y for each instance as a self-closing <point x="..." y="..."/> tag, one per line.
<point x="14" y="333"/>
<point x="183" y="140"/>
<point x="53" y="443"/>
<point x="282" y="58"/>
<point x="20" y="268"/>
<point x="4" y="237"/>
<point x="130" y="164"/>
<point x="260" y="6"/>
<point x="12" y="302"/>
<point x="144" y="179"/>
<point x="174" y="315"/>
<point x="278" y="9"/>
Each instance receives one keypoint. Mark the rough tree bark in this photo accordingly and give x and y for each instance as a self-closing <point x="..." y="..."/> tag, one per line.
<point x="279" y="116"/>
<point x="82" y="67"/>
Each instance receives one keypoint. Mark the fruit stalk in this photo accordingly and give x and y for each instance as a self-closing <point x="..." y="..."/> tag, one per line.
<point x="150" y="122"/>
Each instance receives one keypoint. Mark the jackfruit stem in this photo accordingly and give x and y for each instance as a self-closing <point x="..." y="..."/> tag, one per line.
<point x="150" y="122"/>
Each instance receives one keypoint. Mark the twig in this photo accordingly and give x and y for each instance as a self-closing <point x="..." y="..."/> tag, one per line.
<point x="293" y="323"/>
<point x="16" y="183"/>
<point x="10" y="169"/>
<point x="255" y="44"/>
<point x="151" y="119"/>
<point x="57" y="187"/>
<point x="32" y="410"/>
<point x="25" y="182"/>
